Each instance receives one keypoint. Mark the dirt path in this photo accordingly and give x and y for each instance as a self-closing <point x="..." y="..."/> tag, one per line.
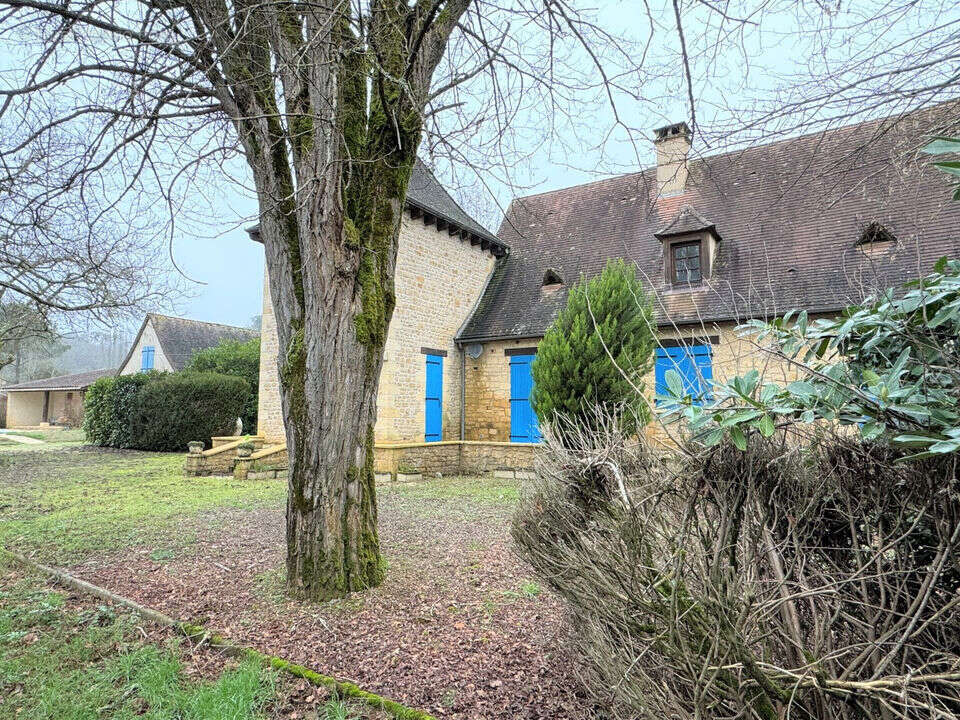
<point x="6" y="435"/>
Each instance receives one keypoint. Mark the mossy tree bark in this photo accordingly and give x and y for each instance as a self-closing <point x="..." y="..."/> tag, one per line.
<point x="330" y="120"/>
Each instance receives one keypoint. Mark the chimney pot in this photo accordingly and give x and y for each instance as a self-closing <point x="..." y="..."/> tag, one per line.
<point x="672" y="143"/>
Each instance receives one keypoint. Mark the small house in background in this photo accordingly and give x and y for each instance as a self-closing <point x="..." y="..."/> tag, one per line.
<point x="56" y="400"/>
<point x="168" y="343"/>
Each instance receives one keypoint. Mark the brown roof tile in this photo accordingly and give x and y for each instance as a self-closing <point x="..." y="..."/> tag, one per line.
<point x="789" y="214"/>
<point x="78" y="381"/>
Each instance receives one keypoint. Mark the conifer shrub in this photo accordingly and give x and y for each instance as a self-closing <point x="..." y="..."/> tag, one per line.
<point x="596" y="353"/>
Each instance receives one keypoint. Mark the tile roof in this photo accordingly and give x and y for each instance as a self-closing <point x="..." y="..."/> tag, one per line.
<point x="686" y="221"/>
<point x="425" y="193"/>
<point x="180" y="338"/>
<point x="78" y="381"/>
<point x="789" y="215"/>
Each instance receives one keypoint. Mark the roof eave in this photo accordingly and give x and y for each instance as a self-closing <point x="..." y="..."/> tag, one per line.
<point x="486" y="241"/>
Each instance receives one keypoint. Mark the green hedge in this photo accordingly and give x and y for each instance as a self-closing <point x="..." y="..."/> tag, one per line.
<point x="163" y="411"/>
<point x="240" y="359"/>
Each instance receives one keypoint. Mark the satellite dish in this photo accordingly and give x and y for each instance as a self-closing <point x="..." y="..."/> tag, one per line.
<point x="475" y="350"/>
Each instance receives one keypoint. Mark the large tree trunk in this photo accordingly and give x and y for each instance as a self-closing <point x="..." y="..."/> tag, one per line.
<point x="331" y="172"/>
<point x="332" y="543"/>
<point x="332" y="317"/>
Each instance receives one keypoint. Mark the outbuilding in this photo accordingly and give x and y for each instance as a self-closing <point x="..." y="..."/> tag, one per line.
<point x="56" y="400"/>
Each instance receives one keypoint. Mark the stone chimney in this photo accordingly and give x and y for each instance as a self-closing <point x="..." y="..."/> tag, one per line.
<point x="673" y="145"/>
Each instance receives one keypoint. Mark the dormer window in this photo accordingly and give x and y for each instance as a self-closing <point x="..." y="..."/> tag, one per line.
<point x="690" y="247"/>
<point x="686" y="263"/>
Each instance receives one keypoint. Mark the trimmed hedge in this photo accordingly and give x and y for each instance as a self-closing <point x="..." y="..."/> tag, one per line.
<point x="240" y="359"/>
<point x="163" y="411"/>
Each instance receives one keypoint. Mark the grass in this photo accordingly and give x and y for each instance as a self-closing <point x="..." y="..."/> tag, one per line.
<point x="66" y="665"/>
<point x="34" y="434"/>
<point x="93" y="661"/>
<point x="54" y="437"/>
<point x="63" y="504"/>
<point x="67" y="504"/>
<point x="483" y="490"/>
<point x="527" y="591"/>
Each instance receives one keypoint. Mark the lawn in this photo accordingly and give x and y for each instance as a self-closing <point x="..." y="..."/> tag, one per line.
<point x="65" y="657"/>
<point x="61" y="504"/>
<point x="459" y="628"/>
<point x="57" y="436"/>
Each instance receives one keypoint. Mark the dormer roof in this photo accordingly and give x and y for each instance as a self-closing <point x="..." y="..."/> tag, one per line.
<point x="685" y="222"/>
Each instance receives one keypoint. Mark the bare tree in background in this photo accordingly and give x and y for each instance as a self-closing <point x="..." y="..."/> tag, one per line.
<point x="22" y="329"/>
<point x="66" y="257"/>
<point x="327" y="102"/>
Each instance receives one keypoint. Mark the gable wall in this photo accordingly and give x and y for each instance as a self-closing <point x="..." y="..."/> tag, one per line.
<point x="147" y="337"/>
<point x="438" y="280"/>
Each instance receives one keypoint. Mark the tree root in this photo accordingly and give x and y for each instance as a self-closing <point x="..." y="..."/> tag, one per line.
<point x="197" y="633"/>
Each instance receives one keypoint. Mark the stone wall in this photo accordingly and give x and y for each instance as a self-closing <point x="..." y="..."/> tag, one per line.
<point x="269" y="412"/>
<point x="439" y="279"/>
<point x="488" y="391"/>
<point x="732" y="356"/>
<point x="147" y="338"/>
<point x="453" y="457"/>
<point x="446" y="457"/>
<point x="488" y="377"/>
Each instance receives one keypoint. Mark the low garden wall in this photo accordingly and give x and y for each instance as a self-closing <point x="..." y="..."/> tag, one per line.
<point x="220" y="459"/>
<point x="469" y="457"/>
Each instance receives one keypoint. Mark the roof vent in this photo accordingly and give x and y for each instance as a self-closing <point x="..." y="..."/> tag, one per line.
<point x="875" y="233"/>
<point x="552" y="277"/>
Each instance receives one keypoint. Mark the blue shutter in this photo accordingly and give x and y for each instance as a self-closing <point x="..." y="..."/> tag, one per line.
<point x="694" y="364"/>
<point x="146" y="357"/>
<point x="524" y="426"/>
<point x="433" y="402"/>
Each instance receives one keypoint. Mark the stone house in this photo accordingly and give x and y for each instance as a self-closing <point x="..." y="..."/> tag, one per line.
<point x="56" y="400"/>
<point x="814" y="222"/>
<point x="167" y="343"/>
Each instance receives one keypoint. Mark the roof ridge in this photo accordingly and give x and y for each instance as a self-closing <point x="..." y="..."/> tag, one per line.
<point x="201" y="322"/>
<point x="701" y="157"/>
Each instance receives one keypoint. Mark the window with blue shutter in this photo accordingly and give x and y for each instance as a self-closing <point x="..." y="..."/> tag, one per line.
<point x="146" y="357"/>
<point x="433" y="401"/>
<point x="524" y="426"/>
<point x="694" y="364"/>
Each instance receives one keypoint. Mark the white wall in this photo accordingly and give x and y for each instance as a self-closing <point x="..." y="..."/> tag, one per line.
<point x="147" y="337"/>
<point x="25" y="407"/>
